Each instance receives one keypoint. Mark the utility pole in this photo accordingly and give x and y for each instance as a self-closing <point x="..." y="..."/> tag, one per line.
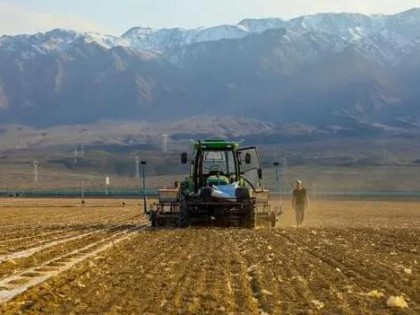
<point x="107" y="182"/>
<point x="82" y="189"/>
<point x="165" y="142"/>
<point x="278" y="179"/>
<point x="75" y="154"/>
<point x="143" y="167"/>
<point x="35" y="164"/>
<point x="137" y="167"/>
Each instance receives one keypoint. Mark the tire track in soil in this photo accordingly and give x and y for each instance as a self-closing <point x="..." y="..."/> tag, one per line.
<point x="53" y="217"/>
<point x="44" y="219"/>
<point x="31" y="248"/>
<point x="14" y="266"/>
<point x="131" y="271"/>
<point x="64" y="229"/>
<point x="45" y="245"/>
<point x="41" y="233"/>
<point x="4" y="242"/>
<point x="14" y="285"/>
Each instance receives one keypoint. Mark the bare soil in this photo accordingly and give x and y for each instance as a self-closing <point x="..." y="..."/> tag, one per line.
<point x="331" y="265"/>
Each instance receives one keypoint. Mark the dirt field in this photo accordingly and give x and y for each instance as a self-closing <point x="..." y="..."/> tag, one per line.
<point x="59" y="257"/>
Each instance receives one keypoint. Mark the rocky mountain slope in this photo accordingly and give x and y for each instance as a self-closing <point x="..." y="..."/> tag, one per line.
<point x="347" y="73"/>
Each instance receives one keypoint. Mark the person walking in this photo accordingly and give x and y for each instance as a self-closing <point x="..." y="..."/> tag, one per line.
<point x="299" y="202"/>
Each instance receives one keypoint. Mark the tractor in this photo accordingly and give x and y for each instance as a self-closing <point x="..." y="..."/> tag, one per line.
<point x="224" y="188"/>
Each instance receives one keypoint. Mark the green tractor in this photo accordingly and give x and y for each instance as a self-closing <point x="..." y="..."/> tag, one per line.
<point x="224" y="188"/>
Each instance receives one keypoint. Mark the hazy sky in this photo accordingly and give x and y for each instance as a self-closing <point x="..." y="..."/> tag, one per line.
<point x="117" y="16"/>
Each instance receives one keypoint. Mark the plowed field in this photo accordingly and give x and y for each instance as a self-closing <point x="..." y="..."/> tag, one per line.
<point x="58" y="257"/>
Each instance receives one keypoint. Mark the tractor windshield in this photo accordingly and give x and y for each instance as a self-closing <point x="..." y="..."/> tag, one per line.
<point x="218" y="162"/>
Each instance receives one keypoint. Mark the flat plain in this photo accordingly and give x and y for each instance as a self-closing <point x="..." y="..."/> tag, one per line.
<point x="58" y="256"/>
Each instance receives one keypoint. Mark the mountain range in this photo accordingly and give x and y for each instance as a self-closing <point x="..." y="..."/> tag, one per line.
<point x="334" y="72"/>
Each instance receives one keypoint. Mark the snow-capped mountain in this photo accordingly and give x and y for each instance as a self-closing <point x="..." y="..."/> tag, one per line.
<point x="137" y="38"/>
<point x="57" y="40"/>
<point x="167" y="39"/>
<point x="380" y="37"/>
<point x="347" y="70"/>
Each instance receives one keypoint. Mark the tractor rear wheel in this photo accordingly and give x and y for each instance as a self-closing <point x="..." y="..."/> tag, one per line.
<point x="248" y="217"/>
<point x="251" y="220"/>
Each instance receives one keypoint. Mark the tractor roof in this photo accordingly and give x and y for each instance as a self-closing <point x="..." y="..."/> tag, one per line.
<point x="216" y="144"/>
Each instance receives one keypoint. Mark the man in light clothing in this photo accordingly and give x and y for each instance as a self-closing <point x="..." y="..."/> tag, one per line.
<point x="299" y="202"/>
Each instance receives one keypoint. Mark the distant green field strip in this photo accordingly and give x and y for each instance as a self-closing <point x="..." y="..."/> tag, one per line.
<point x="77" y="193"/>
<point x="154" y="193"/>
